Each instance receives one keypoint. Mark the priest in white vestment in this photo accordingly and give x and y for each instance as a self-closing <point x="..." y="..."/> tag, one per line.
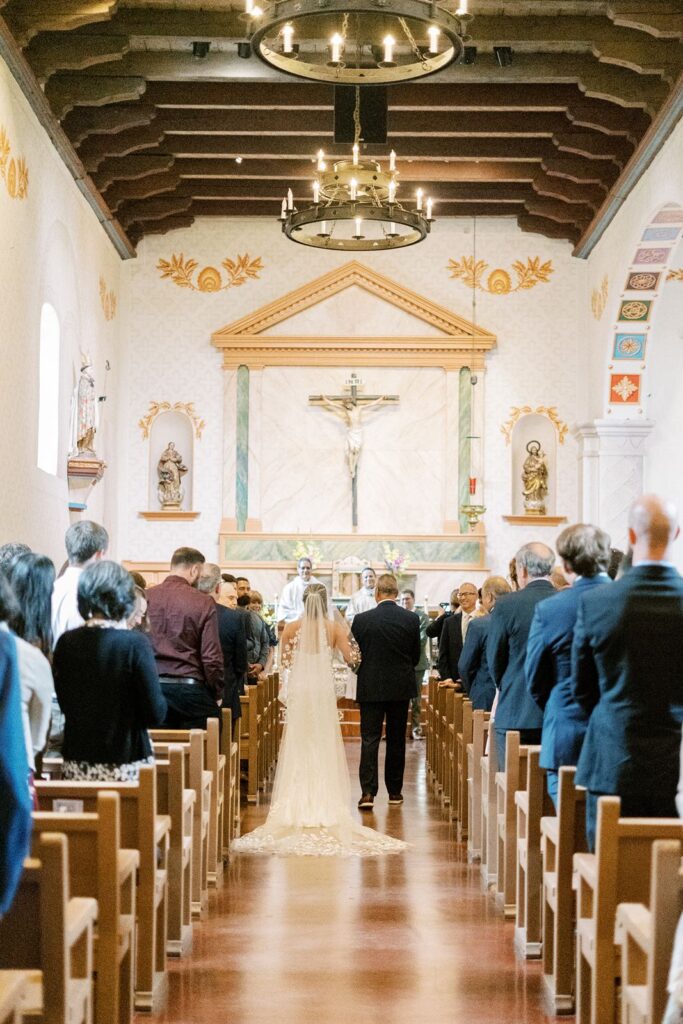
<point x="291" y="606"/>
<point x="364" y="599"/>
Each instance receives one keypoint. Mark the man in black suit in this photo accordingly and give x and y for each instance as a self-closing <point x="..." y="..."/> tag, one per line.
<point x="473" y="668"/>
<point x="389" y="642"/>
<point x="627" y="672"/>
<point x="506" y="646"/>
<point x="232" y="636"/>
<point x="454" y="631"/>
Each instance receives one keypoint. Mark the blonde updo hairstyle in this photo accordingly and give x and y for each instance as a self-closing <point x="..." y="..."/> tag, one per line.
<point x="320" y="590"/>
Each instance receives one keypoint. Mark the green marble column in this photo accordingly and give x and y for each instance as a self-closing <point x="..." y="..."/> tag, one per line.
<point x="242" y="449"/>
<point x="464" y="443"/>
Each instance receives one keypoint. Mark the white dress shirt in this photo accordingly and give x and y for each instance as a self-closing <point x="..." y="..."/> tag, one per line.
<point x="465" y="619"/>
<point x="362" y="601"/>
<point x="65" y="613"/>
<point x="37" y="691"/>
<point x="291" y="606"/>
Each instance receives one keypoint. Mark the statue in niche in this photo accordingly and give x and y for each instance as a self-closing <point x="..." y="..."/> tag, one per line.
<point x="534" y="480"/>
<point x="84" y="412"/>
<point x="170" y="469"/>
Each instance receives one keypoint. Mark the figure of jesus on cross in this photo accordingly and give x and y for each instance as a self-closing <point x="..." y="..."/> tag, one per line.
<point x="350" y="408"/>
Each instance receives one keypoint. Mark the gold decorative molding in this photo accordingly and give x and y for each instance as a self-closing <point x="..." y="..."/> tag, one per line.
<point x="499" y="281"/>
<point x="461" y="343"/>
<point x="175" y="514"/>
<point x="535" y="520"/>
<point x="13" y="170"/>
<point x="599" y="298"/>
<point x="675" y="275"/>
<point x="516" y="413"/>
<point x="209" y="279"/>
<point x="156" y="408"/>
<point x="107" y="300"/>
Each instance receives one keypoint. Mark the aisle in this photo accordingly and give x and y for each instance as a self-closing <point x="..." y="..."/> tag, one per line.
<point x="401" y="938"/>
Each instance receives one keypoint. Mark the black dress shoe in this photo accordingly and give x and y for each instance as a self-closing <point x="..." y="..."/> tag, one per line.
<point x="395" y="798"/>
<point x="366" y="801"/>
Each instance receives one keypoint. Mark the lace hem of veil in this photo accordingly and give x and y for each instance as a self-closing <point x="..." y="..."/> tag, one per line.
<point x="318" y="842"/>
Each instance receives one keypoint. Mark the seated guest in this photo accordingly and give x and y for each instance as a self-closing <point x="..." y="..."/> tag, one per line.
<point x="363" y="599"/>
<point x="584" y="550"/>
<point x="107" y="683"/>
<point x="233" y="638"/>
<point x="473" y="668"/>
<point x="627" y="673"/>
<point x="184" y="634"/>
<point x="454" y="632"/>
<point x="436" y="625"/>
<point x="85" y="542"/>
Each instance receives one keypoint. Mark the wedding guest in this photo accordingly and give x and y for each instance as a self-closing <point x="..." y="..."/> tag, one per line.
<point x="242" y="586"/>
<point x="86" y="542"/>
<point x="512" y="575"/>
<point x="258" y="642"/>
<point x="233" y="639"/>
<point x="616" y="557"/>
<point x="362" y="600"/>
<point x="184" y="635"/>
<point x="256" y="606"/>
<point x="436" y="625"/>
<point x="228" y="594"/>
<point x="506" y="646"/>
<point x="138" y="619"/>
<point x="291" y="605"/>
<point x="407" y="600"/>
<point x="558" y="579"/>
<point x="107" y="682"/>
<point x="454" y="632"/>
<point x="627" y="669"/>
<point x="9" y="553"/>
<point x="473" y="669"/>
<point x="15" y="802"/>
<point x="584" y="550"/>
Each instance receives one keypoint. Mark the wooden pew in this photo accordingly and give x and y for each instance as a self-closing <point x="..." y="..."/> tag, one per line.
<point x="101" y="869"/>
<point x="214" y="762"/>
<point x="489" y="813"/>
<point x="463" y="741"/>
<point x="48" y="938"/>
<point x="12" y="990"/>
<point x="230" y="750"/>
<point x="249" y="741"/>
<point x="430" y="737"/>
<point x="449" y="715"/>
<point x="562" y="836"/>
<point x="174" y="799"/>
<point x="647" y="938"/>
<point x="618" y="872"/>
<point x="146" y="831"/>
<point x="532" y="802"/>
<point x="507" y="784"/>
<point x="475" y="752"/>
<point x="264" y="735"/>
<point x="201" y="781"/>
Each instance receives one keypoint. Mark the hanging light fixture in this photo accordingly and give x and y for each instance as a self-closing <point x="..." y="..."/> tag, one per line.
<point x="354" y="205"/>
<point x="357" y="42"/>
<point x="472" y="509"/>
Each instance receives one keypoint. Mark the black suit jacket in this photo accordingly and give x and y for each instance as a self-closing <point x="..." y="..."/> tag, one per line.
<point x="389" y="641"/>
<point x="450" y="646"/>
<point x="473" y="667"/>
<point x="233" y="638"/>
<point x="627" y="669"/>
<point x="506" y="653"/>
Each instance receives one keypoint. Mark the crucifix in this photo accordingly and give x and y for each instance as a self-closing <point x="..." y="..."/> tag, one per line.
<point x="350" y="408"/>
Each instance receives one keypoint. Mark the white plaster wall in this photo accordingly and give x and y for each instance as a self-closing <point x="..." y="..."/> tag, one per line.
<point x="52" y="249"/>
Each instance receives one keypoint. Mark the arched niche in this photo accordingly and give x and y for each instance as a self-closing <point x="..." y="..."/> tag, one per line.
<point x="163" y="424"/>
<point x="533" y="427"/>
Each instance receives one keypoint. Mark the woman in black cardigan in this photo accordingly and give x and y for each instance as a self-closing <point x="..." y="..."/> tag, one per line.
<point x="107" y="682"/>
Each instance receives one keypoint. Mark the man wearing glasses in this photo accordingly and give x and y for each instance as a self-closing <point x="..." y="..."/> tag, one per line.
<point x="454" y="631"/>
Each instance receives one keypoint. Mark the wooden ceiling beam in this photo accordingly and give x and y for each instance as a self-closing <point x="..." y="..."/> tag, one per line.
<point x="142" y="188"/>
<point x="152" y="209"/>
<point x="568" y="191"/>
<point x="271" y="208"/>
<point x="134" y="166"/>
<point x="26" y="18"/>
<point x="67" y="91"/>
<point x="95" y="149"/>
<point x="609" y="118"/>
<point x="50" y="52"/>
<point x="555" y="209"/>
<point x="591" y="172"/>
<point x="662" y="21"/>
<point x="417" y="170"/>
<point x="137" y="231"/>
<point x="440" y="191"/>
<point x="550" y="228"/>
<point x="594" y="146"/>
<point x="83" y="122"/>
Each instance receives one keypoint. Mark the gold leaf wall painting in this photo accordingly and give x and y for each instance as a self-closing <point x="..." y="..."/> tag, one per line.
<point x="599" y="298"/>
<point x="499" y="282"/>
<point x="155" y="408"/>
<point x="209" y="279"/>
<point x="107" y="300"/>
<point x="13" y="170"/>
<point x="517" y="411"/>
<point x="675" y="275"/>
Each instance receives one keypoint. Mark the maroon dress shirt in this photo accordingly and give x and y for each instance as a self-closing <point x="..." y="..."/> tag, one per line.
<point x="184" y="633"/>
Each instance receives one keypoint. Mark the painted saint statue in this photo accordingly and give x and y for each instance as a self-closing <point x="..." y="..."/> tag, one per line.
<point x="170" y="469"/>
<point x="84" y="412"/>
<point x="534" y="480"/>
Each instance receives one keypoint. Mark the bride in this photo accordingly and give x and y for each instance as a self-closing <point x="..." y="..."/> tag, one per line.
<point x="310" y="809"/>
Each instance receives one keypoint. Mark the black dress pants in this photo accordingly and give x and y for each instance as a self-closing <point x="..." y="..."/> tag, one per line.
<point x="372" y="716"/>
<point x="188" y="705"/>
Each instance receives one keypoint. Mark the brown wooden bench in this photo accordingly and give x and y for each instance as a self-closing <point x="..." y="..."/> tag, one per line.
<point x="463" y="741"/>
<point x="249" y="741"/>
<point x="475" y="752"/>
<point x="507" y="785"/>
<point x="532" y="803"/>
<point x="230" y="750"/>
<point x="13" y="986"/>
<point x="489" y="814"/>
<point x="177" y="800"/>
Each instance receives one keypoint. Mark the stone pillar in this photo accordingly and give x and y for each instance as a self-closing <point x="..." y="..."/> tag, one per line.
<point x="611" y="454"/>
<point x="242" y="449"/>
<point x="255" y="449"/>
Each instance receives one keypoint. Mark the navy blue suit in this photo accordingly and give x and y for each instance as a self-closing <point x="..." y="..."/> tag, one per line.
<point x="233" y="638"/>
<point x="548" y="670"/>
<point x="473" y="668"/>
<point x="627" y="669"/>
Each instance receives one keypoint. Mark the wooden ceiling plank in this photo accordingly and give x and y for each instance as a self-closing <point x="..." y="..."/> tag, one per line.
<point x="107" y="120"/>
<point x="50" y="52"/>
<point x="563" y="213"/>
<point x="137" y="231"/>
<point x="134" y="166"/>
<point x="266" y="208"/>
<point x="66" y="91"/>
<point x="95" y="149"/>
<point x="152" y="209"/>
<point x="591" y="172"/>
<point x="551" y="229"/>
<point x="568" y="191"/>
<point x="663" y="21"/>
<point x="594" y="146"/>
<point x="440" y="191"/>
<point x="26" y="18"/>
<point x="610" y="119"/>
<point x="141" y="188"/>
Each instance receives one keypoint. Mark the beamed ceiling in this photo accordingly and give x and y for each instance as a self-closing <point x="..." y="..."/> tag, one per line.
<point x="152" y="134"/>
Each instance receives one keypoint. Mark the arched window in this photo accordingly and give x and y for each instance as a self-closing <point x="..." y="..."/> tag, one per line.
<point x="48" y="391"/>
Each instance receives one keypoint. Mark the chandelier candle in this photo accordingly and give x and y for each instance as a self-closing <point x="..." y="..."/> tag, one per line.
<point x="287" y="36"/>
<point x="433" y="34"/>
<point x="321" y="160"/>
<point x="336" y="44"/>
<point x="418" y="194"/>
<point x="388" y="43"/>
<point x="290" y="199"/>
<point x="392" y="161"/>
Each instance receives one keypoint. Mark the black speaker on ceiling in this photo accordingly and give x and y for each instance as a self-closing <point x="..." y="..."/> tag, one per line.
<point x="373" y="114"/>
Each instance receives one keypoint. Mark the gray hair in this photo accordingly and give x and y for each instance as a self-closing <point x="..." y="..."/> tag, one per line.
<point x="496" y="586"/>
<point x="655" y="518"/>
<point x="9" y="553"/>
<point x="210" y="578"/>
<point x="585" y="548"/>
<point x="84" y="540"/>
<point x="304" y="558"/>
<point x="537" y="558"/>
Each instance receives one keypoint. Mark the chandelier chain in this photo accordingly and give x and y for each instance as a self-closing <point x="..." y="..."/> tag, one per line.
<point x="411" y="39"/>
<point x="356" y="118"/>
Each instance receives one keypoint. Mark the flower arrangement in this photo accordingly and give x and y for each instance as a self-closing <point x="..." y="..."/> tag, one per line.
<point x="307" y="550"/>
<point x="394" y="560"/>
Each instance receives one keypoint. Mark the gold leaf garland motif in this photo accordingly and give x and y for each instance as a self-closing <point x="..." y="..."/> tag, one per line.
<point x="182" y="272"/>
<point x="155" y="408"/>
<point x="499" y="281"/>
<point x="599" y="298"/>
<point x="675" y="275"/>
<point x="107" y="300"/>
<point x="517" y="411"/>
<point x="13" y="171"/>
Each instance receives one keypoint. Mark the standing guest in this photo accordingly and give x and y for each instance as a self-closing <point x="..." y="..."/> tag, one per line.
<point x="506" y="646"/>
<point x="389" y="642"/>
<point x="9" y="553"/>
<point x="616" y="557"/>
<point x="228" y="594"/>
<point x="436" y="625"/>
<point x="233" y="639"/>
<point x="363" y="600"/>
<point x="627" y="668"/>
<point x="407" y="601"/>
<point x="106" y="682"/>
<point x="258" y="642"/>
<point x="228" y="577"/>
<point x="291" y="605"/>
<point x="256" y="606"/>
<point x="584" y="550"/>
<point x="85" y="542"/>
<point x="138" y="619"/>
<point x="454" y="632"/>
<point x="473" y="668"/>
<point x="184" y="634"/>
<point x="512" y="575"/>
<point x="15" y="802"/>
<point x="243" y="587"/>
<point x="559" y="580"/>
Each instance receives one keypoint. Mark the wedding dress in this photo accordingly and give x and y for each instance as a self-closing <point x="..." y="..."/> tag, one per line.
<point x="310" y="811"/>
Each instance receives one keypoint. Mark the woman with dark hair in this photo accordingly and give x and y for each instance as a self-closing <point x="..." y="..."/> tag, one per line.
<point x="32" y="579"/>
<point x="107" y="682"/>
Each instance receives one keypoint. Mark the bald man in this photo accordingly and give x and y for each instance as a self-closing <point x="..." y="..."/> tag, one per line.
<point x="506" y="646"/>
<point x="627" y="673"/>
